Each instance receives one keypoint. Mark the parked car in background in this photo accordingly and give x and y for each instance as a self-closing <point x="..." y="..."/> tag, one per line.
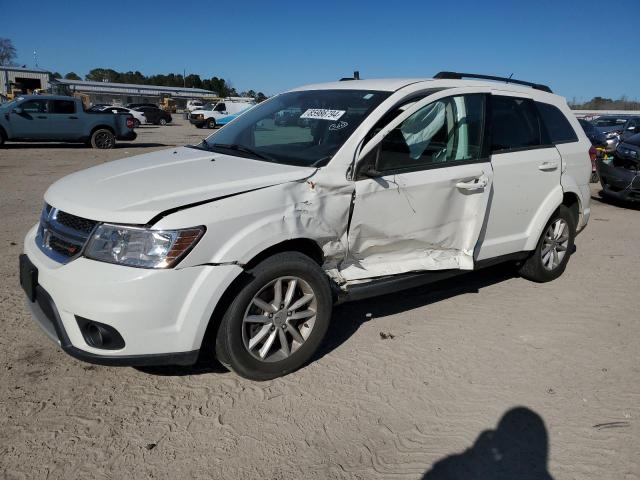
<point x="224" y="120"/>
<point x="155" y="115"/>
<point x="138" y="117"/>
<point x="194" y="105"/>
<point x="597" y="138"/>
<point x="630" y="128"/>
<point x="136" y="105"/>
<point x="61" y="119"/>
<point x="252" y="234"/>
<point x="620" y="175"/>
<point x="611" y="126"/>
<point x="229" y="106"/>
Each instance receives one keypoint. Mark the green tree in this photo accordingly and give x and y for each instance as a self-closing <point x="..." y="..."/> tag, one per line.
<point x="7" y="52"/>
<point x="72" y="76"/>
<point x="56" y="75"/>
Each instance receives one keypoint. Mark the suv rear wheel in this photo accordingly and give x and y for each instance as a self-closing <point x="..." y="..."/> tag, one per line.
<point x="211" y="123"/>
<point x="555" y="246"/>
<point x="277" y="320"/>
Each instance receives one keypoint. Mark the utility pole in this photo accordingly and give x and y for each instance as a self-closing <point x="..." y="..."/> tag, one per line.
<point x="35" y="58"/>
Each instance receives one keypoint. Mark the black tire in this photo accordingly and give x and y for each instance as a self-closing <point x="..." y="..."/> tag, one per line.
<point x="211" y="123"/>
<point x="595" y="178"/>
<point x="2" y="139"/>
<point x="533" y="268"/>
<point x="103" y="139"/>
<point x="230" y="345"/>
<point x="199" y="126"/>
<point x="136" y="123"/>
<point x="162" y="122"/>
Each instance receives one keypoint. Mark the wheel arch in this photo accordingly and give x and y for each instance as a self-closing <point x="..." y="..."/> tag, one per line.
<point x="305" y="246"/>
<point x="101" y="127"/>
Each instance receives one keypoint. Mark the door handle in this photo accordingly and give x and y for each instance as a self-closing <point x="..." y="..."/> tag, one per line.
<point x="477" y="183"/>
<point x="42" y="116"/>
<point x="548" y="166"/>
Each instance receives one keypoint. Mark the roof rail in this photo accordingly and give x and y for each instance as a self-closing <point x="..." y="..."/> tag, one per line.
<point x="460" y="76"/>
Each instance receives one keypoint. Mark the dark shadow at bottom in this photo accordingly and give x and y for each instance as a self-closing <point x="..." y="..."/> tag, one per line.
<point x="516" y="450"/>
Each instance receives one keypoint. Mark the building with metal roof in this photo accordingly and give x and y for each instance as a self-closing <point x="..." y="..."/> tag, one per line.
<point x="22" y="80"/>
<point x="124" y="93"/>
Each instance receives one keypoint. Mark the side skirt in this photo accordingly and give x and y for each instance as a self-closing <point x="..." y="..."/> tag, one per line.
<point x="404" y="281"/>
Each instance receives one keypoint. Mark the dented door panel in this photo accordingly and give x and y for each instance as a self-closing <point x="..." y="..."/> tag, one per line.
<point x="425" y="220"/>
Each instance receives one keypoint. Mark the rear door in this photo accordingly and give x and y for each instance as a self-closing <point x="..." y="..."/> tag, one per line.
<point x="424" y="206"/>
<point x="32" y="122"/>
<point x="526" y="170"/>
<point x="64" y="120"/>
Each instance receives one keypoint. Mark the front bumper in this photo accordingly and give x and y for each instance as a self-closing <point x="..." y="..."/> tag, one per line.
<point x="619" y="182"/>
<point x="198" y="122"/>
<point x="162" y="315"/>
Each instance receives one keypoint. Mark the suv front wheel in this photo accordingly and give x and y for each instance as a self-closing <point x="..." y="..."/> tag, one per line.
<point x="549" y="259"/>
<point x="277" y="320"/>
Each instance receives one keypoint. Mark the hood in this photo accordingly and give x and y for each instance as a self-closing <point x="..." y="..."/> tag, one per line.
<point x="136" y="189"/>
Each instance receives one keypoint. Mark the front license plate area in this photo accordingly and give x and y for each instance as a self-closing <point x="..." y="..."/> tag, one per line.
<point x="28" y="277"/>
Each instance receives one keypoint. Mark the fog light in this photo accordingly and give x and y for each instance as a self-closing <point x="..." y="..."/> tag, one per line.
<point x="99" y="335"/>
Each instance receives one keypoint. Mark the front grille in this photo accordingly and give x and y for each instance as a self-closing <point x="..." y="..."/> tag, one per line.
<point x="75" y="223"/>
<point x="61" y="235"/>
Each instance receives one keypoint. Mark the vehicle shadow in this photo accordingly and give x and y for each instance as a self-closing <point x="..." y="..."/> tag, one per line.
<point x="207" y="363"/>
<point x="607" y="200"/>
<point x="20" y="146"/>
<point x="517" y="449"/>
<point x="348" y="318"/>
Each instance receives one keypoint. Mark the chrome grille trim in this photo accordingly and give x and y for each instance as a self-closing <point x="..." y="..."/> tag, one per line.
<point x="62" y="236"/>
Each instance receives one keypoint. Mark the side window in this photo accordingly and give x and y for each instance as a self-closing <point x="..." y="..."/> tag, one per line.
<point x="446" y="131"/>
<point x="557" y="125"/>
<point x="63" y="106"/>
<point x="221" y="107"/>
<point x="34" y="106"/>
<point x="515" y="125"/>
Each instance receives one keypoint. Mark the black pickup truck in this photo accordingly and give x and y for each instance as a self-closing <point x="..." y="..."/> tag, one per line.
<point x="57" y="118"/>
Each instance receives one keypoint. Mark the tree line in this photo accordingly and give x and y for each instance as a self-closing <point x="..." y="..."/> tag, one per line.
<point x="602" y="103"/>
<point x="219" y="85"/>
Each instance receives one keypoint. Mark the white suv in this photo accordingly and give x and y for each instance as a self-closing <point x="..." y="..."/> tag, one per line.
<point x="243" y="243"/>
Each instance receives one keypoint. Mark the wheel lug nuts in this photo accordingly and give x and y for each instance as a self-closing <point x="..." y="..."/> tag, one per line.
<point x="282" y="305"/>
<point x="273" y="328"/>
<point x="271" y="315"/>
<point x="284" y="326"/>
<point x="288" y="314"/>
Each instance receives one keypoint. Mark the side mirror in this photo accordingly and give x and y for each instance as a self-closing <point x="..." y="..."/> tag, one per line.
<point x="369" y="164"/>
<point x="18" y="110"/>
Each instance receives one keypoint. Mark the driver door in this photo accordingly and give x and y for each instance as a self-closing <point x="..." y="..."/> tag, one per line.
<point x="422" y="189"/>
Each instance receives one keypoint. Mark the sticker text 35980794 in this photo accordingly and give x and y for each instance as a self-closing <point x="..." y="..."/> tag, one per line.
<point x="322" y="114"/>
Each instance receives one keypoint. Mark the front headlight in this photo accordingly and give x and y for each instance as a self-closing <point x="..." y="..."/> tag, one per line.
<point x="141" y="247"/>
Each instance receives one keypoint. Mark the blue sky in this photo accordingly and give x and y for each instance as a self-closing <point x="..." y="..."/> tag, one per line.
<point x="580" y="48"/>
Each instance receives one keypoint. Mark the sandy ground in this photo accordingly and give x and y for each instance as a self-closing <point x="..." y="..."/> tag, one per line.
<point x="438" y="400"/>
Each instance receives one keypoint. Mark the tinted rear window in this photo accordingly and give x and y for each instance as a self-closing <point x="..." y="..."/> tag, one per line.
<point x="515" y="125"/>
<point x="557" y="125"/>
<point x="63" y="106"/>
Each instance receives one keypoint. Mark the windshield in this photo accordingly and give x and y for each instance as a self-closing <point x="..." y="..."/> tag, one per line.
<point x="10" y="104"/>
<point x="297" y="128"/>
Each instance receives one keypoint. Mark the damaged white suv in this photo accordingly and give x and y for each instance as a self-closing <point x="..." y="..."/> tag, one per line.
<point x="248" y="238"/>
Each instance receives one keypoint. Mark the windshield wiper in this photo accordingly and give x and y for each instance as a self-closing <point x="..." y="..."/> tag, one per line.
<point x="242" y="148"/>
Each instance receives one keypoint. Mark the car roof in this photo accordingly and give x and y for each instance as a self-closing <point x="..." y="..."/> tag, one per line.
<point x="394" y="84"/>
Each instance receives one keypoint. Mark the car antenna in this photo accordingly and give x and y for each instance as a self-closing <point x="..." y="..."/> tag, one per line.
<point x="356" y="76"/>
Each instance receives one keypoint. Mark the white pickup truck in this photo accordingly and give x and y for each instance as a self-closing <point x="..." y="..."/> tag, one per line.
<point x="208" y="115"/>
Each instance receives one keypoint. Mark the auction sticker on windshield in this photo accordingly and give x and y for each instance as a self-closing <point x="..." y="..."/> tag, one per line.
<point x="322" y="114"/>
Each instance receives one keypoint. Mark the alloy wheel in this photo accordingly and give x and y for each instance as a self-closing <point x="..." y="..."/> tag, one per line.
<point x="555" y="244"/>
<point x="279" y="319"/>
